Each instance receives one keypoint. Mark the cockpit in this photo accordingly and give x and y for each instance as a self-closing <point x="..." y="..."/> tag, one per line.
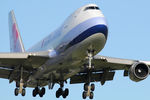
<point x="91" y="8"/>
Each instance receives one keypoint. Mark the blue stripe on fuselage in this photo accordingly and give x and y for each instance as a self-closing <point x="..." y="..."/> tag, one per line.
<point x="102" y="29"/>
<point x="84" y="30"/>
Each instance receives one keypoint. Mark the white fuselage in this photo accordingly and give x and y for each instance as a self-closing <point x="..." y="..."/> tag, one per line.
<point x="85" y="29"/>
<point x="78" y="22"/>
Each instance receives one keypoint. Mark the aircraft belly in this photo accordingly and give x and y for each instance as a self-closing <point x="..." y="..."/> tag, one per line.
<point x="75" y="56"/>
<point x="70" y="62"/>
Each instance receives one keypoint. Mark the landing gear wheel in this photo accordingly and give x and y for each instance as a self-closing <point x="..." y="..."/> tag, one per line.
<point x="86" y="86"/>
<point x="34" y="93"/>
<point x="42" y="92"/>
<point x="37" y="90"/>
<point x="92" y="87"/>
<point x="84" y="94"/>
<point x="91" y="95"/>
<point x="64" y="95"/>
<point x="66" y="91"/>
<point x="16" y="91"/>
<point x="59" y="92"/>
<point x="23" y="92"/>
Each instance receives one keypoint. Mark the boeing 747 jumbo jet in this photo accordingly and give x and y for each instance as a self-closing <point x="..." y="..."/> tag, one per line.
<point x="70" y="52"/>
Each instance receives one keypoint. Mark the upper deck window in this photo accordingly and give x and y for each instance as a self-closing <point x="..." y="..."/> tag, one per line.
<point x="92" y="8"/>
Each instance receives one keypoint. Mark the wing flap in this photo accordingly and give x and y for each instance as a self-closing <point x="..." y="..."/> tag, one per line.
<point x="5" y="73"/>
<point x="12" y="59"/>
<point x="95" y="77"/>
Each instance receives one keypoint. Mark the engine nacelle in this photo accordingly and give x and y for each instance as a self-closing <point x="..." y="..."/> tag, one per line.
<point x="139" y="71"/>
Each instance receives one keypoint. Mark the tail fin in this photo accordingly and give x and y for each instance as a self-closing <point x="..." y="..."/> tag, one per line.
<point x="16" y="44"/>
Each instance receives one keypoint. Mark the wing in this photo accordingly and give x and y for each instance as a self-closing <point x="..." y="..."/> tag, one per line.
<point x="104" y="69"/>
<point x="11" y="62"/>
<point x="103" y="62"/>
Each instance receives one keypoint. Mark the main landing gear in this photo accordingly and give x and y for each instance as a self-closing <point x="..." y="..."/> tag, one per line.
<point x="20" y="86"/>
<point x="88" y="91"/>
<point x="38" y="91"/>
<point x="89" y="88"/>
<point x="60" y="91"/>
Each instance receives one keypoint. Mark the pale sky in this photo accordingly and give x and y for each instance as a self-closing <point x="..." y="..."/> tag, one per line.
<point x="129" y="33"/>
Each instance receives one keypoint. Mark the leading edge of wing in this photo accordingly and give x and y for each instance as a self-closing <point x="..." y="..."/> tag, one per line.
<point x="113" y="63"/>
<point x="23" y="55"/>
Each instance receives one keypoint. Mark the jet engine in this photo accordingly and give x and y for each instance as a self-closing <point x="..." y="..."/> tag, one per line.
<point x="139" y="71"/>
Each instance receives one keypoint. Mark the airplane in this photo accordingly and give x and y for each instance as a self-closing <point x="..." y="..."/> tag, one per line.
<point x="70" y="52"/>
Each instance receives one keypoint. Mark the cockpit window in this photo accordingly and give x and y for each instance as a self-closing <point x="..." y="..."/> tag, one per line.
<point x="92" y="8"/>
<point x="97" y="8"/>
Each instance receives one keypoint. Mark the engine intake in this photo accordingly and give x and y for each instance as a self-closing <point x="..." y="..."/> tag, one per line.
<point x="139" y="71"/>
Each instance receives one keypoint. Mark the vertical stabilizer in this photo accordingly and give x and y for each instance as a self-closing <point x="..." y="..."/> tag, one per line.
<point x="16" y="44"/>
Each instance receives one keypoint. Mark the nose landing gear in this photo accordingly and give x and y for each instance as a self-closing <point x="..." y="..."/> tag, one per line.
<point x="88" y="89"/>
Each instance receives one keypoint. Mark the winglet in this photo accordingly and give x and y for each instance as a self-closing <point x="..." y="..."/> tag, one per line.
<point x="16" y="44"/>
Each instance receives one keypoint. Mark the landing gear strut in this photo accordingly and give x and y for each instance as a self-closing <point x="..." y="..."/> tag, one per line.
<point x="89" y="88"/>
<point x="20" y="86"/>
<point x="60" y="91"/>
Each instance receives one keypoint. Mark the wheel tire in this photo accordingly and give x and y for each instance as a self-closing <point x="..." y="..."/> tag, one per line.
<point x="43" y="90"/>
<point x="23" y="92"/>
<point x="64" y="95"/>
<point x="34" y="93"/>
<point x="16" y="91"/>
<point x="60" y="91"/>
<point x="84" y="95"/>
<point x="92" y="87"/>
<point x="91" y="95"/>
<point x="37" y="90"/>
<point x="86" y="86"/>
<point x="40" y="94"/>
<point x="57" y="94"/>
<point x="66" y="91"/>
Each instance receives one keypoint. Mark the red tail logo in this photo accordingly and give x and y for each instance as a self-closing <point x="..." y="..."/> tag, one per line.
<point x="15" y="34"/>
